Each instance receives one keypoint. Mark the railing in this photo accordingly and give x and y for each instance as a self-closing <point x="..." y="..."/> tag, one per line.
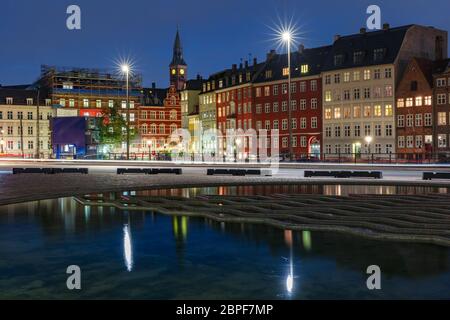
<point x="355" y="158"/>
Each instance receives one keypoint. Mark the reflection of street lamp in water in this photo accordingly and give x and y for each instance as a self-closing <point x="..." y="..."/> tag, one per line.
<point x="290" y="278"/>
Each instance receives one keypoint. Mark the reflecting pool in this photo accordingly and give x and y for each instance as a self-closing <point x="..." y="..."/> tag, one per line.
<point x="146" y="255"/>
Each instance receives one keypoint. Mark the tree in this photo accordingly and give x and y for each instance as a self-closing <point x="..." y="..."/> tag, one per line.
<point x="113" y="127"/>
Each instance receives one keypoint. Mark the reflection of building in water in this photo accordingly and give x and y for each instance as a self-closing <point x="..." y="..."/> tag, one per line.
<point x="180" y="230"/>
<point x="66" y="216"/>
<point x="394" y="258"/>
<point x="329" y="190"/>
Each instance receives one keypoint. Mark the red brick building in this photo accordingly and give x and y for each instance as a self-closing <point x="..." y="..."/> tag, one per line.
<point x="160" y="110"/>
<point x="159" y="116"/>
<point x="414" y="125"/>
<point x="256" y="97"/>
<point x="271" y="100"/>
<point x="441" y="112"/>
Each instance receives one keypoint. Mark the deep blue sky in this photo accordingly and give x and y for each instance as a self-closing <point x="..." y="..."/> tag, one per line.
<point x="214" y="33"/>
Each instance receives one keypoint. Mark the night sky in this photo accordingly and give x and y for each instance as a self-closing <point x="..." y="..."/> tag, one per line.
<point x="215" y="34"/>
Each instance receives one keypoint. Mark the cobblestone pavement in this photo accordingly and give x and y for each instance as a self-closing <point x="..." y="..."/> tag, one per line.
<point x="28" y="187"/>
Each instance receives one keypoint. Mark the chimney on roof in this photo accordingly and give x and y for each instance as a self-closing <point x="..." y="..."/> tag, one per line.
<point x="234" y="66"/>
<point x="362" y="30"/>
<point x="386" y="26"/>
<point x="246" y="64"/>
<point x="271" y="54"/>
<point x="199" y="77"/>
<point x="336" y="37"/>
<point x="301" y="48"/>
<point x="153" y="85"/>
<point x="255" y="61"/>
<point x="240" y="65"/>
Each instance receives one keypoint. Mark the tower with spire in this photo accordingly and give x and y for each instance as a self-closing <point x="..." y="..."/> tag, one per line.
<point x="178" y="67"/>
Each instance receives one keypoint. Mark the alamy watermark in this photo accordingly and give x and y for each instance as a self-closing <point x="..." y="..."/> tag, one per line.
<point x="73" y="21"/>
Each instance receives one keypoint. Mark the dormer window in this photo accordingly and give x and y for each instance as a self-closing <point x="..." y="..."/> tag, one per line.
<point x="29" y="101"/>
<point x="338" y="60"/>
<point x="358" y="57"/>
<point x="9" y="100"/>
<point x="48" y="102"/>
<point x="285" y="71"/>
<point x="220" y="83"/>
<point x="304" y="68"/>
<point x="378" y="54"/>
<point x="269" y="74"/>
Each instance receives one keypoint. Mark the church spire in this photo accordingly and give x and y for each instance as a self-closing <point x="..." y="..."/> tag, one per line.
<point x="178" y="67"/>
<point x="177" y="58"/>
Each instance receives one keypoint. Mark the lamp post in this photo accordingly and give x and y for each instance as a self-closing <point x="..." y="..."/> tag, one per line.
<point x="126" y="71"/>
<point x="149" y="144"/>
<point x="287" y="37"/>
<point x="38" y="128"/>
<point x="368" y="140"/>
<point x="2" y="142"/>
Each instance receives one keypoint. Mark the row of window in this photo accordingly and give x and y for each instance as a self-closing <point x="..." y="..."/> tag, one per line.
<point x="416" y="101"/>
<point x="348" y="149"/>
<point x="415" y="120"/>
<point x="354" y="76"/>
<point x="86" y="103"/>
<point x="274" y="90"/>
<point x="21" y="114"/>
<point x="442" y="82"/>
<point x="356" y="132"/>
<point x="357" y="112"/>
<point x="246" y="124"/>
<point x="29" y="144"/>
<point x="161" y="115"/>
<point x="10" y="130"/>
<point x="359" y="93"/>
<point x="154" y="129"/>
<point x="413" y="141"/>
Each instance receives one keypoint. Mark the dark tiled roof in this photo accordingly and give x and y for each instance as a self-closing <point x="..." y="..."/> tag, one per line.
<point x="389" y="40"/>
<point x="194" y="84"/>
<point x="314" y="58"/>
<point x="19" y="96"/>
<point x="19" y="86"/>
<point x="441" y="66"/>
<point x="153" y="96"/>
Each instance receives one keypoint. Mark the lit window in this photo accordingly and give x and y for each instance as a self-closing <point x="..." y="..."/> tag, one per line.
<point x="304" y="68"/>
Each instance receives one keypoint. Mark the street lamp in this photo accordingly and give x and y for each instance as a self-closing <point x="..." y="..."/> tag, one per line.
<point x="126" y="70"/>
<point x="286" y="37"/>
<point x="2" y="142"/>
<point x="368" y="140"/>
<point x="149" y="144"/>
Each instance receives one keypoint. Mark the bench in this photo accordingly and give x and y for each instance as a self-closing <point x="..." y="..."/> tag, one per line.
<point x="238" y="172"/>
<point x="435" y="175"/>
<point x="344" y="174"/>
<point x="50" y="170"/>
<point x="149" y="170"/>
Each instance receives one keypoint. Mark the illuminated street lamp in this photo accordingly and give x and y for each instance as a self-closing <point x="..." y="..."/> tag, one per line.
<point x="368" y="140"/>
<point x="2" y="142"/>
<point x="149" y="144"/>
<point x="126" y="70"/>
<point x="286" y="37"/>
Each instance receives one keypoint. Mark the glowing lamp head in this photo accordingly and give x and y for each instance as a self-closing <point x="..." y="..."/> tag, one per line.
<point x="125" y="68"/>
<point x="286" y="36"/>
<point x="368" y="139"/>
